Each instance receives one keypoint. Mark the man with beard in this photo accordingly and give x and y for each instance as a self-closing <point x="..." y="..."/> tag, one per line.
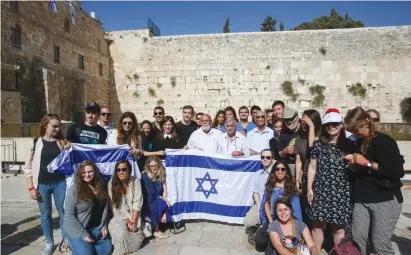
<point x="244" y="126"/>
<point x="186" y="126"/>
<point x="232" y="143"/>
<point x="205" y="138"/>
<point x="88" y="132"/>
<point x="285" y="145"/>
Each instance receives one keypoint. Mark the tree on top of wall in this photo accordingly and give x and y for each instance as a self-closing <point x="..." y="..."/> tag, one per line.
<point x="281" y="26"/>
<point x="226" y="28"/>
<point x="334" y="21"/>
<point x="268" y="24"/>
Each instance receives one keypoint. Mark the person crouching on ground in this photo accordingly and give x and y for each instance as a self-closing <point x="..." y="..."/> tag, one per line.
<point x="86" y="213"/>
<point x="156" y="206"/>
<point x="285" y="228"/>
<point x="126" y="197"/>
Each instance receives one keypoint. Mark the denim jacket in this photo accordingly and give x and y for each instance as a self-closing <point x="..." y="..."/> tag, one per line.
<point x="276" y="194"/>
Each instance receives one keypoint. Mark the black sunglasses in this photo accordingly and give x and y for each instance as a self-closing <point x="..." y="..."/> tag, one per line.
<point x="280" y="169"/>
<point x="266" y="157"/>
<point x="106" y="114"/>
<point x="158" y="113"/>
<point x="127" y="123"/>
<point x="125" y="169"/>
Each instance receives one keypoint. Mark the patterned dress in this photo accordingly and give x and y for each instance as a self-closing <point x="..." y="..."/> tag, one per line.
<point x="331" y="187"/>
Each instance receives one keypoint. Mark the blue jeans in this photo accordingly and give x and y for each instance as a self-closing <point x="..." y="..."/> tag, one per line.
<point x="100" y="246"/>
<point x="58" y="189"/>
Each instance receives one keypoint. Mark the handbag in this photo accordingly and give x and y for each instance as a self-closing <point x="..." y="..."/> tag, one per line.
<point x="345" y="247"/>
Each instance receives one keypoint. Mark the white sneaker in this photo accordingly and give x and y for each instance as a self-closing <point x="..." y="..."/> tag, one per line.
<point x="147" y="230"/>
<point x="48" y="250"/>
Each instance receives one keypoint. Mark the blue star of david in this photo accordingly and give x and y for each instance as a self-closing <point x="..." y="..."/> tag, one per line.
<point x="200" y="188"/>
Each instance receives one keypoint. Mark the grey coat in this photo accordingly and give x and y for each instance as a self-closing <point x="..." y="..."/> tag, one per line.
<point x="77" y="215"/>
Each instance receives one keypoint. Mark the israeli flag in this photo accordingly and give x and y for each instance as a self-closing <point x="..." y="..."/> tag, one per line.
<point x="211" y="187"/>
<point x="104" y="156"/>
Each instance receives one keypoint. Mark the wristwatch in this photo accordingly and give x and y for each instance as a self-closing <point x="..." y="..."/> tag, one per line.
<point x="369" y="164"/>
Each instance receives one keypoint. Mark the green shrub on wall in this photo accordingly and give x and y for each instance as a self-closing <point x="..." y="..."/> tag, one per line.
<point x="357" y="90"/>
<point x="288" y="90"/>
<point x="151" y="92"/>
<point x="405" y="107"/>
<point x="317" y="92"/>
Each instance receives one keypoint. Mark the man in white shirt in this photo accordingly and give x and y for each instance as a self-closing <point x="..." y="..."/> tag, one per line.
<point x="259" y="138"/>
<point x="252" y="218"/>
<point x="104" y="120"/>
<point x="205" y="138"/>
<point x="232" y="143"/>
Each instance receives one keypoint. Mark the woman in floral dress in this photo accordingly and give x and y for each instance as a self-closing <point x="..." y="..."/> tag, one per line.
<point x="329" y="188"/>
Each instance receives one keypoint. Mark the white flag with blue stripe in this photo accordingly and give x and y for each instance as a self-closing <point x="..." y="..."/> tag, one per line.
<point x="212" y="187"/>
<point x="104" y="156"/>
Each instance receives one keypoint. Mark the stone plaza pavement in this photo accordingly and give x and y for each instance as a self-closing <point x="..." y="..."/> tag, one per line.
<point x="21" y="232"/>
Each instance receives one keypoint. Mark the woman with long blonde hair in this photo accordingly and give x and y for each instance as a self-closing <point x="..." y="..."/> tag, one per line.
<point x="156" y="206"/>
<point x="127" y="132"/>
<point x="86" y="212"/>
<point x="377" y="195"/>
<point x="41" y="184"/>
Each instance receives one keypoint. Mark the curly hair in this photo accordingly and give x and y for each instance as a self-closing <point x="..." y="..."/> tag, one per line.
<point x="160" y="174"/>
<point x="83" y="191"/>
<point x="231" y="109"/>
<point x="117" y="189"/>
<point x="215" y="121"/>
<point x="135" y="131"/>
<point x="289" y="187"/>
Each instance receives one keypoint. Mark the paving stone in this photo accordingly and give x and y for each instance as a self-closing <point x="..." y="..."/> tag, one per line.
<point x="184" y="238"/>
<point x="208" y="226"/>
<point x="169" y="249"/>
<point x="223" y="239"/>
<point x="191" y="250"/>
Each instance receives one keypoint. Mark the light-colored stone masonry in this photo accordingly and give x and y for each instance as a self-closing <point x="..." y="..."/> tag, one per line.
<point x="218" y="70"/>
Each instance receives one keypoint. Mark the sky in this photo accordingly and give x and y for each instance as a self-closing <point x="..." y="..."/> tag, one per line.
<point x="181" y="18"/>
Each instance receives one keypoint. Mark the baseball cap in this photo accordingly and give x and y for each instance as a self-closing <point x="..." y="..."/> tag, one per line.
<point x="332" y="117"/>
<point x="289" y="113"/>
<point x="92" y="107"/>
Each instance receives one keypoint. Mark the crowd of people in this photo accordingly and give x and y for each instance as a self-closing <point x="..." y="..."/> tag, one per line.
<point x="318" y="173"/>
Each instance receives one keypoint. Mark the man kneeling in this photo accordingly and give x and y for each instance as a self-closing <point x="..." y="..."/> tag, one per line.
<point x="252" y="219"/>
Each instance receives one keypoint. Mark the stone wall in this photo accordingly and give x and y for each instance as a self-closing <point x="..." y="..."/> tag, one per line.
<point x="47" y="86"/>
<point x="217" y="70"/>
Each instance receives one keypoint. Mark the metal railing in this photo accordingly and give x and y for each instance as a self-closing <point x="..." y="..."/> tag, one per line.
<point x="8" y="154"/>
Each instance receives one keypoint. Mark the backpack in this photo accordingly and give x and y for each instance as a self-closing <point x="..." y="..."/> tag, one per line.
<point x="34" y="145"/>
<point x="345" y="247"/>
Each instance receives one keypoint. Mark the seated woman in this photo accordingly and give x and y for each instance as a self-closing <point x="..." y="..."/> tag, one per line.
<point x="287" y="233"/>
<point x="279" y="184"/>
<point x="86" y="213"/>
<point x="126" y="197"/>
<point x="167" y="138"/>
<point x="156" y="208"/>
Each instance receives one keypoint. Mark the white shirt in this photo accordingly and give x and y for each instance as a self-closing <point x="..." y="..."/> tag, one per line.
<point x="203" y="141"/>
<point x="260" y="180"/>
<point x="109" y="128"/>
<point x="226" y="145"/>
<point x="258" y="141"/>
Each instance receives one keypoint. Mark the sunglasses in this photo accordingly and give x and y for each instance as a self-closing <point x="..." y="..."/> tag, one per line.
<point x="280" y="169"/>
<point x="158" y="113"/>
<point x="333" y="124"/>
<point x="125" y="169"/>
<point x="106" y="114"/>
<point x="259" y="117"/>
<point x="127" y="123"/>
<point x="266" y="157"/>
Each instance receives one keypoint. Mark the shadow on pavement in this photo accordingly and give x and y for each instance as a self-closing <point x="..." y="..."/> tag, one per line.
<point x="12" y="239"/>
<point x="404" y="244"/>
